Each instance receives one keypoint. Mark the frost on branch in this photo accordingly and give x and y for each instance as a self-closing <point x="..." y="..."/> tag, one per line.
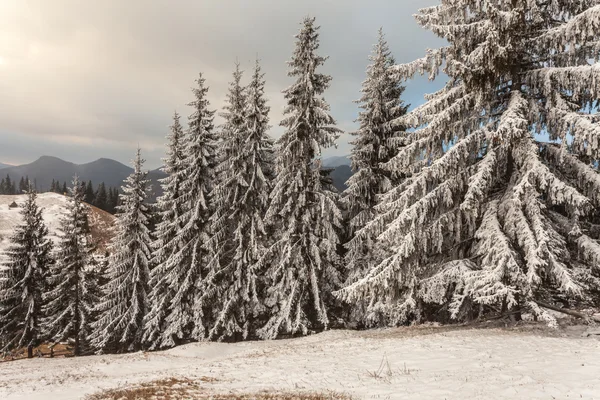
<point x="489" y="219"/>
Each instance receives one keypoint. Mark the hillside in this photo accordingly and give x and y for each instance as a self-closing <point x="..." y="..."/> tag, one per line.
<point x="525" y="362"/>
<point x="53" y="207"/>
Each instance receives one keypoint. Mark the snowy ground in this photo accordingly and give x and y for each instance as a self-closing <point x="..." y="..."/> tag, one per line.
<point x="389" y="364"/>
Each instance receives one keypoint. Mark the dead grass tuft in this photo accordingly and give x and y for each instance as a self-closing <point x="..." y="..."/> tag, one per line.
<point x="164" y="389"/>
<point x="386" y="373"/>
<point x="187" y="389"/>
<point x="208" y="379"/>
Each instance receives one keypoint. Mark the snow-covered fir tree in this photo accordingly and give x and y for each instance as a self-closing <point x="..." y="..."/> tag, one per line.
<point x="178" y="304"/>
<point x="240" y="199"/>
<point x="490" y="217"/>
<point x="169" y="207"/>
<point x="124" y="302"/>
<point x="69" y="304"/>
<point x="303" y="263"/>
<point x="23" y="279"/>
<point x="373" y="146"/>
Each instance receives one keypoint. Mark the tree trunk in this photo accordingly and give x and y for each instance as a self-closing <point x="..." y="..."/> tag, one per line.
<point x="30" y="351"/>
<point x="76" y="350"/>
<point x="516" y="315"/>
<point x="504" y="308"/>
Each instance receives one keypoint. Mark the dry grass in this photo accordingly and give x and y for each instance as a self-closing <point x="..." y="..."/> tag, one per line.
<point x="101" y="227"/>
<point x="165" y="389"/>
<point x="187" y="389"/>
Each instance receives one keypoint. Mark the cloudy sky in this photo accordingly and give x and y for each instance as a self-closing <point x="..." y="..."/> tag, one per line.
<point x="84" y="79"/>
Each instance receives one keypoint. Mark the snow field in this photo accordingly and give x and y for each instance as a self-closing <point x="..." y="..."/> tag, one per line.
<point x="461" y="364"/>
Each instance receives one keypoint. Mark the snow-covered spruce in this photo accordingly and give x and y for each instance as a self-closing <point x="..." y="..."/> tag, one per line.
<point x="178" y="304"/>
<point x="489" y="218"/>
<point x="240" y="201"/>
<point x="23" y="279"/>
<point x="169" y="208"/>
<point x="303" y="264"/>
<point x="124" y="300"/>
<point x="69" y="304"/>
<point x="373" y="146"/>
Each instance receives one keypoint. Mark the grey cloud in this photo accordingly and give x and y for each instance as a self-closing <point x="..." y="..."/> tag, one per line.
<point x="83" y="80"/>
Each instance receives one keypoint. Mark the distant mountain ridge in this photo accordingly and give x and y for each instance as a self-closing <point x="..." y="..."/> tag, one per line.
<point x="48" y="168"/>
<point x="112" y="173"/>
<point x="341" y="170"/>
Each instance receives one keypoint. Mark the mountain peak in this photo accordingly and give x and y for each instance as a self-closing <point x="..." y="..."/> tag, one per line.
<point x="50" y="158"/>
<point x="50" y="162"/>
